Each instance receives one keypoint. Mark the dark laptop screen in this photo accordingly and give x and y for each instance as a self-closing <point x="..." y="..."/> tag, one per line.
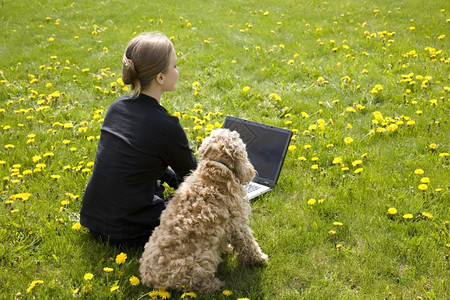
<point x="266" y="146"/>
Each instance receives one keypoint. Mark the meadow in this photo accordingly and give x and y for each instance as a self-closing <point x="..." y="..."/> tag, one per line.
<point x="362" y="207"/>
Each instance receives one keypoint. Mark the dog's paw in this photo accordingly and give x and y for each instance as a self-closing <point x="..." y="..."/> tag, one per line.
<point x="257" y="259"/>
<point x="263" y="259"/>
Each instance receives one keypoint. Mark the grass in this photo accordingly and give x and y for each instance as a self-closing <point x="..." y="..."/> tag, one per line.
<point x="376" y="72"/>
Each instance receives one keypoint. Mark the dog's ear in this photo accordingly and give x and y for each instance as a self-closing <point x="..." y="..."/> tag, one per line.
<point x="215" y="145"/>
<point x="244" y="170"/>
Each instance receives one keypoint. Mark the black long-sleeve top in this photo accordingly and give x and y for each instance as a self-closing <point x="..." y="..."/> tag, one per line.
<point x="138" y="141"/>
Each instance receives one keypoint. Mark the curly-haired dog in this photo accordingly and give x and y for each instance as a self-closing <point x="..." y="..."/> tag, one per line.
<point x="208" y="212"/>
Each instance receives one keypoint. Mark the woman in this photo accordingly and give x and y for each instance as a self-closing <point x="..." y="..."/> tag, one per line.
<point x="139" y="141"/>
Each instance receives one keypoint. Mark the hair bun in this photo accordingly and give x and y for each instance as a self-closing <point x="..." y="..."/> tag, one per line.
<point x="128" y="70"/>
<point x="128" y="63"/>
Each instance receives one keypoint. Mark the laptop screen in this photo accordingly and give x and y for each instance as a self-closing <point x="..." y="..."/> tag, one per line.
<point x="266" y="147"/>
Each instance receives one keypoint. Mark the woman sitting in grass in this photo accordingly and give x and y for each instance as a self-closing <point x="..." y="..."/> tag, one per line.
<point x="139" y="141"/>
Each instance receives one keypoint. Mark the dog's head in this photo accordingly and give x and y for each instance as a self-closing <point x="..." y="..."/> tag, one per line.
<point x="226" y="147"/>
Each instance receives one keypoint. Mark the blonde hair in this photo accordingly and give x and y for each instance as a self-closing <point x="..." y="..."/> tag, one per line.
<point x="145" y="57"/>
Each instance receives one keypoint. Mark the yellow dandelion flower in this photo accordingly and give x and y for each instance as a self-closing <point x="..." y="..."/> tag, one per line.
<point x="348" y="140"/>
<point x="114" y="288"/>
<point x="423" y="187"/>
<point x="41" y="166"/>
<point x="153" y="294"/>
<point x="27" y="172"/>
<point x="392" y="127"/>
<point x="337" y="224"/>
<point x="163" y="294"/>
<point x="337" y="160"/>
<point x="427" y="215"/>
<point x="189" y="294"/>
<point x="121" y="258"/>
<point x="108" y="270"/>
<point x="245" y="89"/>
<point x="275" y="96"/>
<point x="76" y="226"/>
<point x="433" y="146"/>
<point x="356" y="162"/>
<point x="134" y="280"/>
<point x="292" y="148"/>
<point x="359" y="170"/>
<point x="33" y="284"/>
<point x="227" y="293"/>
<point x="331" y="232"/>
<point x="311" y="201"/>
<point x="87" y="288"/>
<point x="408" y="216"/>
<point x="425" y="180"/>
<point x="304" y="114"/>
<point x="88" y="276"/>
<point x="418" y="171"/>
<point x="376" y="88"/>
<point x="350" y="109"/>
<point x="392" y="211"/>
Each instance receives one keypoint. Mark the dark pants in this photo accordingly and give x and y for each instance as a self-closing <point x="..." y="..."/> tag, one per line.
<point x="138" y="242"/>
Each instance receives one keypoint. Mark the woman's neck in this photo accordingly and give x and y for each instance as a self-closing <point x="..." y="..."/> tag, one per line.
<point x="153" y="92"/>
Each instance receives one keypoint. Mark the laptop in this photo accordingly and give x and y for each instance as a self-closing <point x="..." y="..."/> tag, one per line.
<point x="266" y="147"/>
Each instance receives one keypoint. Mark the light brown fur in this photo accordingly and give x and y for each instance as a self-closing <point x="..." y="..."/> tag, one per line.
<point x="208" y="212"/>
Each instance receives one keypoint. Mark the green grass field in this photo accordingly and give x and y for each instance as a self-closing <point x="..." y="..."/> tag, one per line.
<point x="362" y="207"/>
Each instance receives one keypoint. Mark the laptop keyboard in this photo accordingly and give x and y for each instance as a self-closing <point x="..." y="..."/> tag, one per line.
<point x="250" y="187"/>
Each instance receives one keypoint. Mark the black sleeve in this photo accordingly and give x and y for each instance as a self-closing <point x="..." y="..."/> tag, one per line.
<point x="171" y="178"/>
<point x="178" y="154"/>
